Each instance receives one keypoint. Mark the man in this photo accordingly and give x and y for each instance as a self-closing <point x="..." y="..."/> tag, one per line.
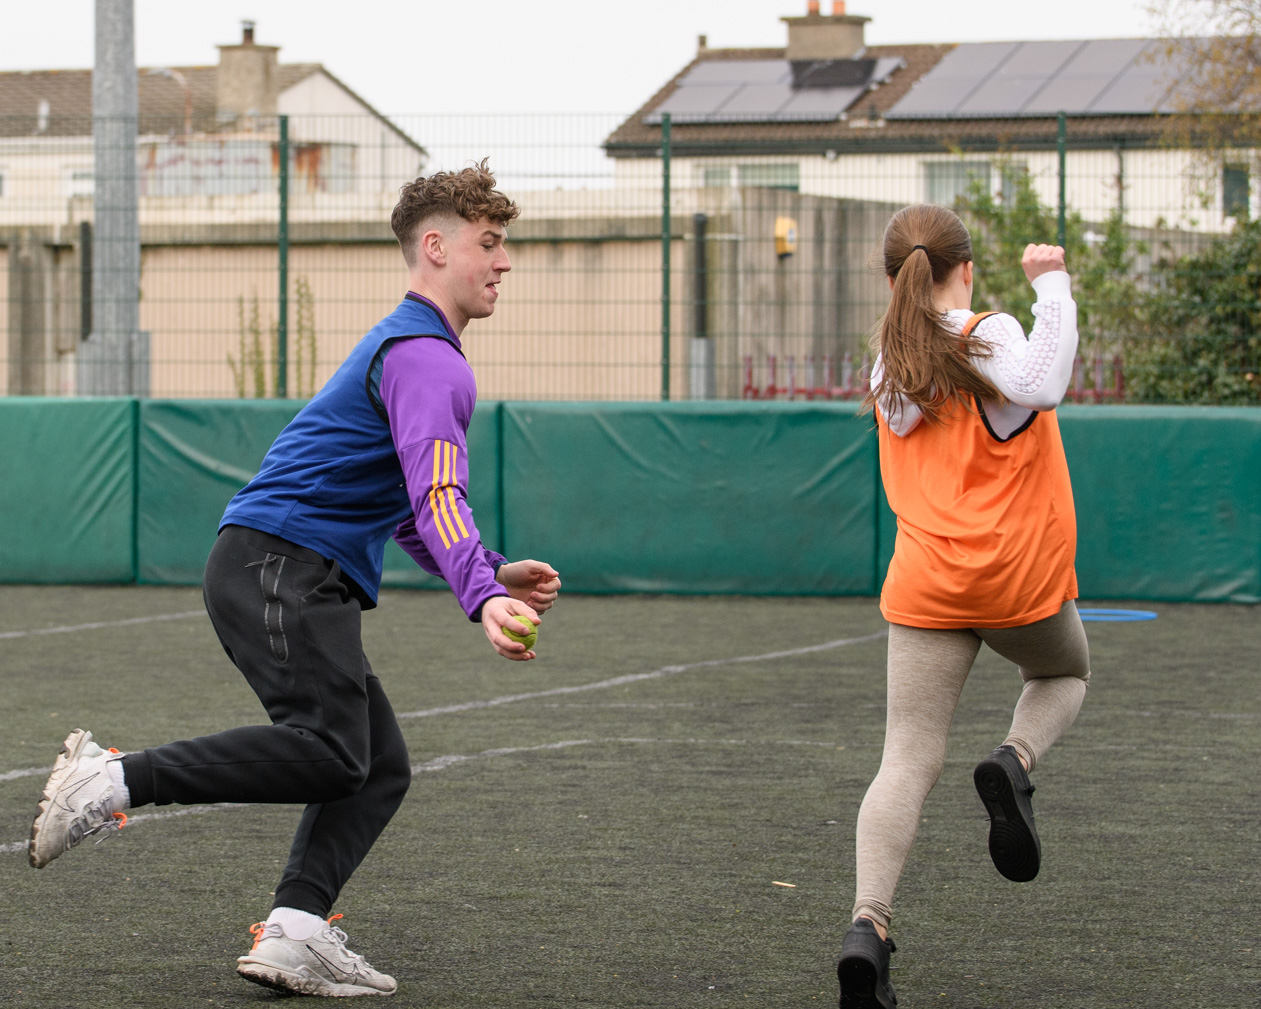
<point x="380" y="450"/>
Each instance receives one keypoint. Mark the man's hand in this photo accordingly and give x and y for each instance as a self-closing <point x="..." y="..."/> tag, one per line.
<point x="497" y="612"/>
<point x="531" y="582"/>
<point x="1040" y="259"/>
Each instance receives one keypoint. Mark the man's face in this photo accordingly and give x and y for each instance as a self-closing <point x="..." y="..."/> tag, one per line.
<point x="476" y="260"/>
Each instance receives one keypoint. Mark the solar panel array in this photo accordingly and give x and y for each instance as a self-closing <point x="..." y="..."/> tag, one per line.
<point x="1015" y="79"/>
<point x="759" y="91"/>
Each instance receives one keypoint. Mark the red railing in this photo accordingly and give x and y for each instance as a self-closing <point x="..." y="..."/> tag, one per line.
<point x="853" y="382"/>
<point x="1099" y="392"/>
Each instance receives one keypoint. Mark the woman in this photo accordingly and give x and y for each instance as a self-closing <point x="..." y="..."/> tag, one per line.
<point x="973" y="467"/>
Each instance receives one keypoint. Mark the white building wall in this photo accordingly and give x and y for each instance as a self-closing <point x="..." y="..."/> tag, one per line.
<point x="1174" y="188"/>
<point x="41" y="176"/>
<point x="320" y="110"/>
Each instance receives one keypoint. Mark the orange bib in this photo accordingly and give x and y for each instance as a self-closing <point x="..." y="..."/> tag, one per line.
<point x="986" y="528"/>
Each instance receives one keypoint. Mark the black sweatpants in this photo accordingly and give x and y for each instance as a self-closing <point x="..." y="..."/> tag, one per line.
<point x="289" y="622"/>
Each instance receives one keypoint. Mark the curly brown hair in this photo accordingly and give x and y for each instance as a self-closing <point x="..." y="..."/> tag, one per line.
<point x="469" y="193"/>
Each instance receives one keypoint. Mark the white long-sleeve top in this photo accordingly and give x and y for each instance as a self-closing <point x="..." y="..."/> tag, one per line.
<point x="1032" y="373"/>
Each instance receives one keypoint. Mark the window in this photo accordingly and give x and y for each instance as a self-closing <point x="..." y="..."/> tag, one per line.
<point x="81" y="183"/>
<point x="946" y="181"/>
<point x="717" y="178"/>
<point x="1013" y="174"/>
<point x="1235" y="191"/>
<point x="771" y="176"/>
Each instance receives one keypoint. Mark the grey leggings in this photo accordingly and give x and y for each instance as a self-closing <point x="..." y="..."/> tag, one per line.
<point x="927" y="669"/>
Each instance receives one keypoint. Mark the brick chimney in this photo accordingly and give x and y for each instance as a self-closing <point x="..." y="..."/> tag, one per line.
<point x="816" y="36"/>
<point x="247" y="78"/>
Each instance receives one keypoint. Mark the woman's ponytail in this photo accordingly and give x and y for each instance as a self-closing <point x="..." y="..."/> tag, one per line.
<point x="922" y="360"/>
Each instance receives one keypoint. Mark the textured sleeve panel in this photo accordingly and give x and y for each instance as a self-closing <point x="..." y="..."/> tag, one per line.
<point x="1034" y="373"/>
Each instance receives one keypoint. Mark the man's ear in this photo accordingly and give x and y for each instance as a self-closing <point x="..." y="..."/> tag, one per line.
<point x="433" y="247"/>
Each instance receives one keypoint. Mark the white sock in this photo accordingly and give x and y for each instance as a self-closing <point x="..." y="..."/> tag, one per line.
<point x="297" y="925"/>
<point x="122" y="795"/>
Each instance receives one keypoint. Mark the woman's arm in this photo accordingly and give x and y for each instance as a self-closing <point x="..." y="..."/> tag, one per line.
<point x="1035" y="373"/>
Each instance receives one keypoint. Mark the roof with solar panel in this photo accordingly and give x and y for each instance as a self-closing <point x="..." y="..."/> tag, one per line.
<point x="828" y="90"/>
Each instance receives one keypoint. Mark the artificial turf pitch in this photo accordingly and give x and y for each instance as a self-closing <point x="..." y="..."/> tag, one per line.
<point x="618" y="844"/>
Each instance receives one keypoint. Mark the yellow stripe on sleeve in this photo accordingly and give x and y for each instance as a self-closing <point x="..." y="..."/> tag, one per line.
<point x="433" y="498"/>
<point x="446" y="476"/>
<point x="433" y="504"/>
<point x="456" y="512"/>
<point x="455" y="451"/>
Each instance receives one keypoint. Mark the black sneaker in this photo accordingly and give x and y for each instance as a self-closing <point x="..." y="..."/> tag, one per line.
<point x="864" y="968"/>
<point x="1003" y="785"/>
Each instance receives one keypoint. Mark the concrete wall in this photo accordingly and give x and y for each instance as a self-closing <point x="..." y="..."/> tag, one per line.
<point x="41" y="295"/>
<point x="585" y="315"/>
<point x="579" y="316"/>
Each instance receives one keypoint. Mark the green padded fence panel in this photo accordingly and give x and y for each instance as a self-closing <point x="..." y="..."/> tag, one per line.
<point x="196" y="454"/>
<point x="1168" y="501"/>
<point x="67" y="469"/>
<point x="693" y="497"/>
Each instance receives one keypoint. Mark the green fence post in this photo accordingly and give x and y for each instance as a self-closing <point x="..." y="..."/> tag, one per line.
<point x="665" y="256"/>
<point x="1061" y="143"/>
<point x="282" y="243"/>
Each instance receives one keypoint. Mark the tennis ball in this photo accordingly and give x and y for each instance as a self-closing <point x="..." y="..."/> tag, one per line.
<point x="528" y="636"/>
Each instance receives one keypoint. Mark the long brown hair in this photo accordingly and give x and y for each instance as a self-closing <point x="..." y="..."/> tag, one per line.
<point x="923" y="360"/>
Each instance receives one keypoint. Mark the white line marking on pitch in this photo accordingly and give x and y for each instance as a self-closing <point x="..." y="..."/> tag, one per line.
<point x="25" y="772"/>
<point x="103" y="623"/>
<point x="140" y="817"/>
<point x="509" y="698"/>
<point x="450" y="760"/>
<point x="441" y="764"/>
<point x="656" y="674"/>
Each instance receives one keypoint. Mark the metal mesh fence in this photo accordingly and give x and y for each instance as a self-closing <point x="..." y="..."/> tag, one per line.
<point x="688" y="269"/>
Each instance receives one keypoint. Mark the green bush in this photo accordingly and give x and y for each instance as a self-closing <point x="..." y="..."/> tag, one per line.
<point x="1204" y="342"/>
<point x="1190" y="333"/>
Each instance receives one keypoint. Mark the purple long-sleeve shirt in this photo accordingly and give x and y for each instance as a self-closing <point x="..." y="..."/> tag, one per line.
<point x="428" y="391"/>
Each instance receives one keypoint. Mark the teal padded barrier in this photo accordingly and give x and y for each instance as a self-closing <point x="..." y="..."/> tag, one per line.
<point x="67" y="469"/>
<point x="196" y="454"/>
<point x="685" y="497"/>
<point x="722" y="497"/>
<point x="1168" y="501"/>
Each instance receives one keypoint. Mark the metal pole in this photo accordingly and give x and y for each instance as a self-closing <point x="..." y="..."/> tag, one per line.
<point x="1061" y="144"/>
<point x="700" y="277"/>
<point x="700" y="354"/>
<point x="108" y="359"/>
<point x="665" y="256"/>
<point x="85" y="280"/>
<point x="282" y="243"/>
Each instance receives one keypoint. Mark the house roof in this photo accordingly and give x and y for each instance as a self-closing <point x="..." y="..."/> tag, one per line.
<point x="975" y="96"/>
<point x="161" y="100"/>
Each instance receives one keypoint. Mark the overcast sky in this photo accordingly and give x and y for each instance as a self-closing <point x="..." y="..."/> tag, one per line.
<point x="476" y="56"/>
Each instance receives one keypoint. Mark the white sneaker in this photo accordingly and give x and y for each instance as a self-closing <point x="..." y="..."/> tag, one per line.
<point x="79" y="799"/>
<point x="321" y="965"/>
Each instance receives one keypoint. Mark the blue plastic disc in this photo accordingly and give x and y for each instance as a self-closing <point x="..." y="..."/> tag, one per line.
<point x="1116" y="616"/>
